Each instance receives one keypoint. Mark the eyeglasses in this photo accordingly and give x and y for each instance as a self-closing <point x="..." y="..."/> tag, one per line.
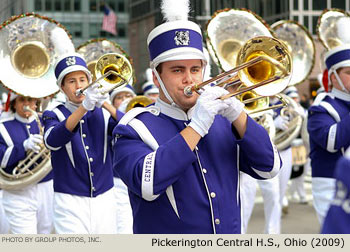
<point x="123" y="96"/>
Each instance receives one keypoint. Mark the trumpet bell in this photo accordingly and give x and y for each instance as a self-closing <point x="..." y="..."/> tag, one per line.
<point x="113" y="63"/>
<point x="139" y="101"/>
<point x="279" y="65"/>
<point x="257" y="106"/>
<point x="93" y="49"/>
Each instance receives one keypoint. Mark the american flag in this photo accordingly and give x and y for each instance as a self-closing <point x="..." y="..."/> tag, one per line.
<point x="109" y="20"/>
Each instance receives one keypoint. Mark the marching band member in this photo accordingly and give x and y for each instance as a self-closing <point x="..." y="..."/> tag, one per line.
<point x="149" y="88"/>
<point x="78" y="134"/>
<point x="337" y="220"/>
<point x="120" y="98"/>
<point x="28" y="210"/>
<point x="181" y="157"/>
<point x="328" y="127"/>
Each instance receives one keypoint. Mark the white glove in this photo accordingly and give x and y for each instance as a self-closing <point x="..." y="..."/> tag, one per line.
<point x="234" y="110"/>
<point x="91" y="98"/>
<point x="207" y="106"/>
<point x="123" y="105"/>
<point x="33" y="142"/>
<point x="101" y="98"/>
<point x="281" y="122"/>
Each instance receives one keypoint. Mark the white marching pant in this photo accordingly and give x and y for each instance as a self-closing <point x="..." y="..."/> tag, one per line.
<point x="29" y="210"/>
<point x="323" y="190"/>
<point x="84" y="215"/>
<point x="272" y="208"/>
<point x="123" y="210"/>
<point x="4" y="225"/>
<point x="298" y="184"/>
<point x="285" y="172"/>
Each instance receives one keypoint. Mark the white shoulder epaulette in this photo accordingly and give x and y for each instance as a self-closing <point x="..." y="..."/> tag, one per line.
<point x="137" y="111"/>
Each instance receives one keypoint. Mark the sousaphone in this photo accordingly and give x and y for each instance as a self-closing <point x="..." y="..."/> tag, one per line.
<point x="29" y="47"/>
<point x="302" y="49"/>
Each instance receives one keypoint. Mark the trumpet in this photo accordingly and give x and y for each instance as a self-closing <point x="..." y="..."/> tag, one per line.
<point x="110" y="68"/>
<point x="263" y="65"/>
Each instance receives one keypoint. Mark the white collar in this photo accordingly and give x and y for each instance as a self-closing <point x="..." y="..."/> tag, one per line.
<point x="340" y="94"/>
<point x="71" y="106"/>
<point x="23" y="119"/>
<point x="173" y="112"/>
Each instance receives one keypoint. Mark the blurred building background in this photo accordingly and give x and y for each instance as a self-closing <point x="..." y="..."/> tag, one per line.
<point x="136" y="18"/>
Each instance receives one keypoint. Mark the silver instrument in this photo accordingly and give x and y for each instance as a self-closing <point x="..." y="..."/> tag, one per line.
<point x="29" y="47"/>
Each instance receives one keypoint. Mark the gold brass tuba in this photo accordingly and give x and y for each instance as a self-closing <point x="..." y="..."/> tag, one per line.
<point x="138" y="101"/>
<point x="108" y="62"/>
<point x="29" y="47"/>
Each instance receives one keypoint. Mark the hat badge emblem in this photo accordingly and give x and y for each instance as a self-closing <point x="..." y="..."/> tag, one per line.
<point x="70" y="61"/>
<point x="182" y="38"/>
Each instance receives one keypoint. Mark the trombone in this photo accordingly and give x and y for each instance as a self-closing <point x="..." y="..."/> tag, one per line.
<point x="263" y="64"/>
<point x="110" y="68"/>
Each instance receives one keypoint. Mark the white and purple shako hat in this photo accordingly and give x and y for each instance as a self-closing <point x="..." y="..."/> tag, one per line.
<point x="149" y="87"/>
<point x="176" y="39"/>
<point x="69" y="63"/>
<point x="127" y="88"/>
<point x="291" y="91"/>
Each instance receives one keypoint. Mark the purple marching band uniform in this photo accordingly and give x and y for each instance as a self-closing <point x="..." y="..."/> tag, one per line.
<point x="173" y="189"/>
<point x="13" y="131"/>
<point x="81" y="159"/>
<point x="337" y="220"/>
<point x="26" y="209"/>
<point x="191" y="184"/>
<point x="328" y="127"/>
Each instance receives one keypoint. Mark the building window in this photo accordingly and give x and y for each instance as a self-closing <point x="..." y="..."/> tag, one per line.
<point x="296" y="18"/>
<point x="296" y="4"/>
<point x="340" y="4"/>
<point x="306" y="4"/>
<point x="75" y="29"/>
<point x="93" y="5"/>
<point x="48" y="5"/>
<point x="66" y="5"/>
<point x="37" y="5"/>
<point x="121" y="30"/>
<point x="319" y="5"/>
<point x="306" y="22"/>
<point x="121" y="6"/>
<point x="77" y="6"/>
<point x="94" y="30"/>
<point x="58" y="5"/>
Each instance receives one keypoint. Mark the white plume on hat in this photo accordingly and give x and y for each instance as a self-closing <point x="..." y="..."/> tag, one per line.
<point x="59" y="38"/>
<point x="175" y="10"/>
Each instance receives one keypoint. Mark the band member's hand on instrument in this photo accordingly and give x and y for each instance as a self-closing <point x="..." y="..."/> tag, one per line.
<point x="235" y="108"/>
<point x="207" y="106"/>
<point x="101" y="98"/>
<point x="281" y="122"/>
<point x="33" y="142"/>
<point x="91" y="98"/>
